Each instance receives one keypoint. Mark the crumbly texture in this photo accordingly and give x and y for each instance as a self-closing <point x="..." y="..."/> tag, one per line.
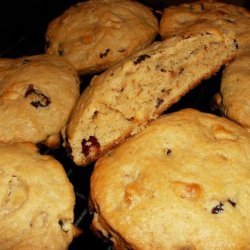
<point x="234" y="96"/>
<point x="176" y="19"/>
<point x="122" y="100"/>
<point x="93" y="35"/>
<point x="182" y="183"/>
<point x="36" y="200"/>
<point x="37" y="94"/>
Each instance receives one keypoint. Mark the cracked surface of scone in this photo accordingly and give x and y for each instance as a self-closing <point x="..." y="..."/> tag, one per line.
<point x="37" y="94"/>
<point x="93" y="35"/>
<point x="36" y="200"/>
<point x="182" y="183"/>
<point x="176" y="19"/>
<point x="122" y="100"/>
<point x="234" y="96"/>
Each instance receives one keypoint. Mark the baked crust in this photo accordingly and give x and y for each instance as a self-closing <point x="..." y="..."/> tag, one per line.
<point x="178" y="19"/>
<point x="37" y="94"/>
<point x="182" y="183"/>
<point x="36" y="200"/>
<point x="234" y="101"/>
<point x="93" y="35"/>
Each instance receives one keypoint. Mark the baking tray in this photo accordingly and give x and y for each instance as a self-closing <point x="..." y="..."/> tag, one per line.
<point x="23" y="25"/>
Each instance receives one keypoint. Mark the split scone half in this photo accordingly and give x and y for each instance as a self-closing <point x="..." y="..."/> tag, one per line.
<point x="124" y="99"/>
<point x="182" y="183"/>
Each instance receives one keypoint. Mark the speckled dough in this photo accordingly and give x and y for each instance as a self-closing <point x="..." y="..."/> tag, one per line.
<point x="176" y="19"/>
<point x="234" y="101"/>
<point x="94" y="35"/>
<point x="36" y="200"/>
<point x="182" y="183"/>
<point x="37" y="95"/>
<point x="122" y="100"/>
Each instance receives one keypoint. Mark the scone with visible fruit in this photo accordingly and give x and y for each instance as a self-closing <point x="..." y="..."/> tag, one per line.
<point x="95" y="34"/>
<point x="234" y="97"/>
<point x="182" y="183"/>
<point x="37" y="94"/>
<point x="36" y="200"/>
<point x="122" y="100"/>
<point x="176" y="19"/>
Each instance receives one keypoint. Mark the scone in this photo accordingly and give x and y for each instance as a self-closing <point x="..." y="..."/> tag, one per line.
<point x="36" y="200"/>
<point x="37" y="94"/>
<point x="122" y="100"/>
<point x="95" y="34"/>
<point x="234" y="97"/>
<point x="176" y="19"/>
<point x="182" y="183"/>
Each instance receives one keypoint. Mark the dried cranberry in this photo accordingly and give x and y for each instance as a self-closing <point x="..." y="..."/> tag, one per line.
<point x="141" y="58"/>
<point x="232" y="202"/>
<point x="90" y="145"/>
<point x="38" y="99"/>
<point x="159" y="101"/>
<point x="104" y="53"/>
<point x="218" y="208"/>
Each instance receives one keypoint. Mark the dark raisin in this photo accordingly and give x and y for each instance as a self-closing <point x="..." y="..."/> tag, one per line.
<point x="104" y="53"/>
<point x="202" y="7"/>
<point x="159" y="101"/>
<point x="60" y="222"/>
<point x="38" y="99"/>
<point x="181" y="70"/>
<point x="166" y="91"/>
<point x="90" y="145"/>
<point x="229" y="21"/>
<point x="141" y="58"/>
<point x="60" y="50"/>
<point x="232" y="202"/>
<point x="236" y="44"/>
<point x="168" y="151"/>
<point x="160" y="68"/>
<point x="218" y="208"/>
<point x="121" y="50"/>
<point x="25" y="61"/>
<point x="185" y="37"/>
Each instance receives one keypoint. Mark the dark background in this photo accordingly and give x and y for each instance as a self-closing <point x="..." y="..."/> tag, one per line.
<point x="28" y="19"/>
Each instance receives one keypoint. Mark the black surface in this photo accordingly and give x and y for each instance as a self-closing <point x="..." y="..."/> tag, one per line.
<point x="23" y="25"/>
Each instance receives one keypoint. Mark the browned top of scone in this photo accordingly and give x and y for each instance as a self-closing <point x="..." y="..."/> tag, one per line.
<point x="37" y="94"/>
<point x="182" y="183"/>
<point x="36" y="200"/>
<point x="94" y="35"/>
<point x="235" y="90"/>
<point x="177" y="19"/>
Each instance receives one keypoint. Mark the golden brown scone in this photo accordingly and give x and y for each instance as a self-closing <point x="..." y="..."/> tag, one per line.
<point x="178" y="19"/>
<point x="122" y="100"/>
<point x="37" y="94"/>
<point x="93" y="35"/>
<point x="36" y="200"/>
<point x="182" y="183"/>
<point x="234" y="96"/>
